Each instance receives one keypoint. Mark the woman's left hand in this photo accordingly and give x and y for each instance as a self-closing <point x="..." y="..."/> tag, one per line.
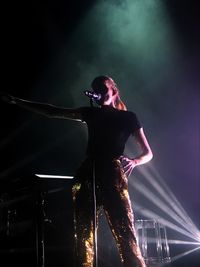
<point x="128" y="165"/>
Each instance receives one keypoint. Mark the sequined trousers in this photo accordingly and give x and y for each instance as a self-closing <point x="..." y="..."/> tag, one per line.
<point x="111" y="194"/>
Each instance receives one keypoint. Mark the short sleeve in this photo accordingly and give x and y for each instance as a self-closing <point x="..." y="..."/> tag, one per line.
<point x="134" y="122"/>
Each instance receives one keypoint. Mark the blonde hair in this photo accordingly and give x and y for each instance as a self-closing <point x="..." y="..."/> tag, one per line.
<point x="119" y="104"/>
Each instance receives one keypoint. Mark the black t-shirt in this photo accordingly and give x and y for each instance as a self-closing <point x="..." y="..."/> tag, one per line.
<point x="108" y="130"/>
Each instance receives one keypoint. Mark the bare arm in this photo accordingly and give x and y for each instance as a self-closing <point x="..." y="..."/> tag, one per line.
<point x="45" y="109"/>
<point x="145" y="156"/>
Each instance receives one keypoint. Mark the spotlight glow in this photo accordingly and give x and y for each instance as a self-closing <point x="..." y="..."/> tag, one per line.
<point x="159" y="194"/>
<point x="172" y="214"/>
<point x="184" y="254"/>
<point x="181" y="242"/>
<point x="153" y="215"/>
<point x="170" y="198"/>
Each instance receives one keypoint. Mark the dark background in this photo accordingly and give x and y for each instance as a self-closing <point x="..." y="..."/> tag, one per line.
<point x="51" y="52"/>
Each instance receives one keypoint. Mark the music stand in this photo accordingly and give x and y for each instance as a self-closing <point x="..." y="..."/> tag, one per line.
<point x="41" y="218"/>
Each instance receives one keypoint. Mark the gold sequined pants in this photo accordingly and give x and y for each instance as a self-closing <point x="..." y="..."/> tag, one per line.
<point x="112" y="195"/>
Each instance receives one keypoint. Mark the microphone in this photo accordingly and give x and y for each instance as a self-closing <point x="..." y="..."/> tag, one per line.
<point x="92" y="95"/>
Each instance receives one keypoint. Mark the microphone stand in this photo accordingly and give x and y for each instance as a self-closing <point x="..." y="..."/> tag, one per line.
<point x="95" y="264"/>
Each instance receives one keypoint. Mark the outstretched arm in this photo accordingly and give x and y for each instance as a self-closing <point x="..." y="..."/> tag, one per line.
<point x="145" y="156"/>
<point x="45" y="109"/>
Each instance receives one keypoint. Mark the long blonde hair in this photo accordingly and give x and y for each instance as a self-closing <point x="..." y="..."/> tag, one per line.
<point x="97" y="84"/>
<point x="119" y="104"/>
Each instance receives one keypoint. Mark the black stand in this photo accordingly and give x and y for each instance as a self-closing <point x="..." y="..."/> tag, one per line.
<point x="95" y="211"/>
<point x="95" y="216"/>
<point x="40" y="220"/>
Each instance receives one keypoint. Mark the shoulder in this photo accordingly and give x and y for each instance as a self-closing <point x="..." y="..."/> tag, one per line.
<point x="132" y="120"/>
<point x="86" y="112"/>
<point x="129" y="114"/>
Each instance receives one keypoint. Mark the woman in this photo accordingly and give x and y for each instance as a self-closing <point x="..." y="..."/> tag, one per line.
<point x="102" y="179"/>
